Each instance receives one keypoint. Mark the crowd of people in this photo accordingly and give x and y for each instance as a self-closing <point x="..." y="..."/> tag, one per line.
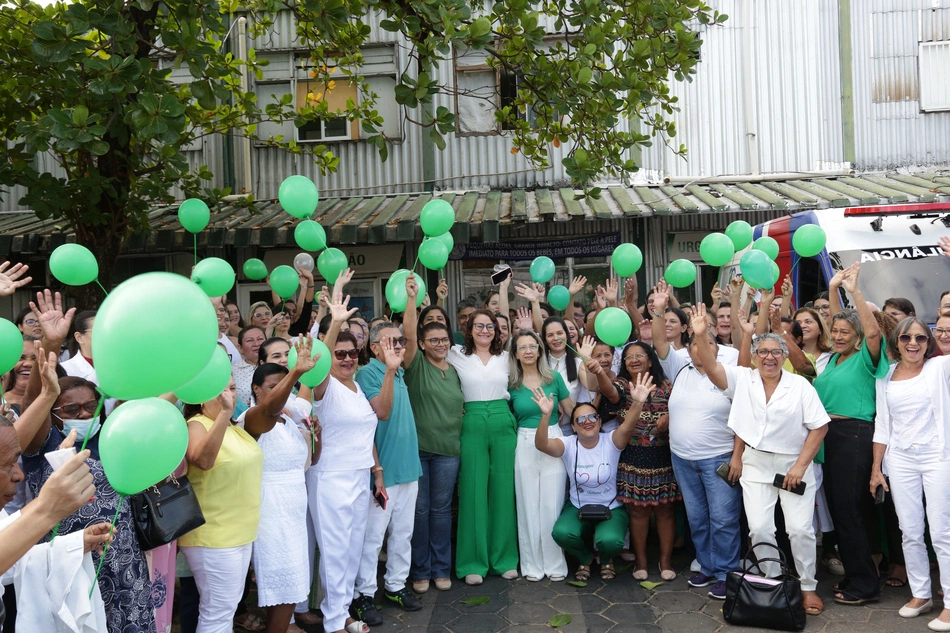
<point x="819" y="426"/>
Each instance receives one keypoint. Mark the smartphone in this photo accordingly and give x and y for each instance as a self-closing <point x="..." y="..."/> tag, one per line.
<point x="380" y="497"/>
<point x="501" y="275"/>
<point x="879" y="495"/>
<point x="723" y="472"/>
<point x="780" y="479"/>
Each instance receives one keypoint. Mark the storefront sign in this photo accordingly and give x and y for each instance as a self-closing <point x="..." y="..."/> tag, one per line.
<point x="685" y="245"/>
<point x="363" y="259"/>
<point x="593" y="246"/>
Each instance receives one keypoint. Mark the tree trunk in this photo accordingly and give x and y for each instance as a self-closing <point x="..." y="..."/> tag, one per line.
<point x="106" y="245"/>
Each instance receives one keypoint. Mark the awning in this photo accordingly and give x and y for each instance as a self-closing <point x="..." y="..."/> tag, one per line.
<point x="480" y="215"/>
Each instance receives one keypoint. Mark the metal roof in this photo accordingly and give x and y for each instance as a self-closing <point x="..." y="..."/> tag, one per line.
<point x="479" y="215"/>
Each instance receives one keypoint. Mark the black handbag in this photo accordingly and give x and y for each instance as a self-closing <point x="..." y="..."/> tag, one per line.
<point x="768" y="603"/>
<point x="589" y="511"/>
<point x="164" y="512"/>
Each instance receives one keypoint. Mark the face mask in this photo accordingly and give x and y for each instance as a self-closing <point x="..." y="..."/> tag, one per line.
<point x="82" y="427"/>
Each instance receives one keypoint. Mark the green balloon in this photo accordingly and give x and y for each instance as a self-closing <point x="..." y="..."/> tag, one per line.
<point x="255" y="269"/>
<point x="171" y="309"/>
<point x="433" y="254"/>
<point x="396" y="294"/>
<point x="331" y="263"/>
<point x="717" y="249"/>
<point x="756" y="269"/>
<point x="214" y="275"/>
<point x="680" y="273"/>
<point x="559" y="297"/>
<point x="194" y="215"/>
<point x="613" y="326"/>
<point x="740" y="232"/>
<point x="142" y="443"/>
<point x="210" y="382"/>
<point x="767" y="245"/>
<point x="776" y="273"/>
<point x="11" y="345"/>
<point x="809" y="240"/>
<point x="626" y="259"/>
<point x="542" y="269"/>
<point x="284" y="281"/>
<point x="320" y="371"/>
<point x="437" y="217"/>
<point x="298" y="196"/>
<point x="310" y="236"/>
<point x="73" y="265"/>
<point x="447" y="239"/>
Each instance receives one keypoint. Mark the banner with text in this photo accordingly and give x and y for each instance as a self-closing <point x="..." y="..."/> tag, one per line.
<point x="593" y="246"/>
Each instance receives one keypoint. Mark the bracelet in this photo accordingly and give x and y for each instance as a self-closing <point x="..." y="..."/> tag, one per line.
<point x="656" y="314"/>
<point x="376" y="469"/>
<point x="310" y="286"/>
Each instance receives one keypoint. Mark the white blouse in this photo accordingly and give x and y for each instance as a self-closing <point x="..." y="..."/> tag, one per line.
<point x="349" y="428"/>
<point x="480" y="382"/>
<point x="912" y="414"/>
<point x="780" y="425"/>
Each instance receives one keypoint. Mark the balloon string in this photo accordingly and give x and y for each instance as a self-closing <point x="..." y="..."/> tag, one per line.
<point x="795" y="264"/>
<point x="95" y="416"/>
<point x="106" y="548"/>
<point x="195" y="235"/>
<point x="104" y="291"/>
<point x="568" y="345"/>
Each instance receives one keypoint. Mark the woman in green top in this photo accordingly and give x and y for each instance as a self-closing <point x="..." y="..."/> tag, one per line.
<point x="847" y="391"/>
<point x="539" y="478"/>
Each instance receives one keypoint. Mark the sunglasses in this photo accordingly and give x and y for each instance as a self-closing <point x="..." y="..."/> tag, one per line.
<point x="341" y="354"/>
<point x="397" y="342"/>
<point x="73" y="410"/>
<point x="920" y="339"/>
<point x="590" y="417"/>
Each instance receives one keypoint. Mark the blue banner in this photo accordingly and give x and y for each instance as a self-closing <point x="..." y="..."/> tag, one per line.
<point x="592" y="246"/>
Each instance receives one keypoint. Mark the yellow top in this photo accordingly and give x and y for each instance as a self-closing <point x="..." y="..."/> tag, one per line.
<point x="229" y="493"/>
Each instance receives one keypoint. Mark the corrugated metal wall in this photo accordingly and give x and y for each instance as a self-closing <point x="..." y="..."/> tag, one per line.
<point x="891" y="131"/>
<point x="793" y="51"/>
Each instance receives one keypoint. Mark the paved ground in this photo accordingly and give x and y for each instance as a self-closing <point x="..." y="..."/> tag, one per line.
<point x="619" y="606"/>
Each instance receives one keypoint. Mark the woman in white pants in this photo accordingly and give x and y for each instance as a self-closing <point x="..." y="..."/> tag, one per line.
<point x="225" y="473"/>
<point x="339" y="503"/>
<point x="779" y="417"/>
<point x="539" y="478"/>
<point x="912" y="444"/>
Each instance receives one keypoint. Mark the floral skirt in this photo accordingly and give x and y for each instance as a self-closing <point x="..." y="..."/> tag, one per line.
<point x="645" y="476"/>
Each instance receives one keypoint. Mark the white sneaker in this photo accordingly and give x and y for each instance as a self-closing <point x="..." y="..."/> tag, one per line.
<point x="695" y="566"/>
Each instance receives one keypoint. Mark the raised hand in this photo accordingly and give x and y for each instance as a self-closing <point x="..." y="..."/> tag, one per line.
<point x="787" y="286"/>
<point x="95" y="537"/>
<point x="426" y="301"/>
<point x="46" y="365"/>
<point x="662" y="286"/>
<point x="640" y="390"/>
<point x="577" y="284"/>
<point x="944" y="243"/>
<point x="748" y="328"/>
<point x="527" y="293"/>
<point x="70" y="441"/>
<point x="544" y="402"/>
<point x="391" y="356"/>
<point x="697" y="319"/>
<point x="339" y="307"/>
<point x="305" y="276"/>
<point x="442" y="291"/>
<point x="630" y="289"/>
<point x="412" y="290"/>
<point x="343" y="279"/>
<point x="539" y="288"/>
<point x="726" y="292"/>
<point x="767" y="295"/>
<point x="735" y="285"/>
<point x="524" y="320"/>
<point x="775" y="320"/>
<point x="53" y="321"/>
<point x="613" y="289"/>
<point x="850" y="282"/>
<point x="716" y="293"/>
<point x="12" y="279"/>
<point x="305" y="362"/>
<point x="661" y="299"/>
<point x="600" y="297"/>
<point x="587" y="346"/>
<point x="323" y="299"/>
<point x="838" y="279"/>
<point x="226" y="400"/>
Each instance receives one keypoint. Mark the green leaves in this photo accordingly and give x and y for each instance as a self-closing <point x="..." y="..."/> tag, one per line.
<point x="650" y="586"/>
<point x="561" y="619"/>
<point x="577" y="583"/>
<point x="476" y="600"/>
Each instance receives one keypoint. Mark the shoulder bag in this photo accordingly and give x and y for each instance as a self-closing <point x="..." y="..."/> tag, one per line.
<point x="164" y="512"/>
<point x="590" y="511"/>
<point x="768" y="603"/>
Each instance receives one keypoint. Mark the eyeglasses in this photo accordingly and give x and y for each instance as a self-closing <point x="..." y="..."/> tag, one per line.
<point x="639" y="356"/>
<point x="341" y="354"/>
<point x="72" y="410"/>
<point x="438" y="342"/>
<point x="261" y="315"/>
<point x="590" y="417"/>
<point x="31" y="323"/>
<point x="942" y="331"/>
<point x="920" y="339"/>
<point x="765" y="353"/>
<point x="487" y="327"/>
<point x="399" y="342"/>
<point x="533" y="347"/>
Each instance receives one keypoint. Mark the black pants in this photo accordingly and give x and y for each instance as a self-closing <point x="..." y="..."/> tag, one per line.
<point x="848" y="460"/>
<point x="188" y="604"/>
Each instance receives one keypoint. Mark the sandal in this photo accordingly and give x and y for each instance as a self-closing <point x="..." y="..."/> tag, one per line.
<point x="640" y="574"/>
<point x="250" y="622"/>
<point x="356" y="626"/>
<point x="607" y="572"/>
<point x="582" y="573"/>
<point x="894" y="581"/>
<point x="666" y="574"/>
<point x="812" y="603"/>
<point x="849" y="598"/>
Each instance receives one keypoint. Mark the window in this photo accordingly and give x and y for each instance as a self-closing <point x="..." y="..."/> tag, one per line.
<point x="481" y="91"/>
<point x="336" y="94"/>
<point x="934" y="60"/>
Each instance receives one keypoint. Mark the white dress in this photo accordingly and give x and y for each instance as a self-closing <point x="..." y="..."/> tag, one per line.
<point x="281" y="552"/>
